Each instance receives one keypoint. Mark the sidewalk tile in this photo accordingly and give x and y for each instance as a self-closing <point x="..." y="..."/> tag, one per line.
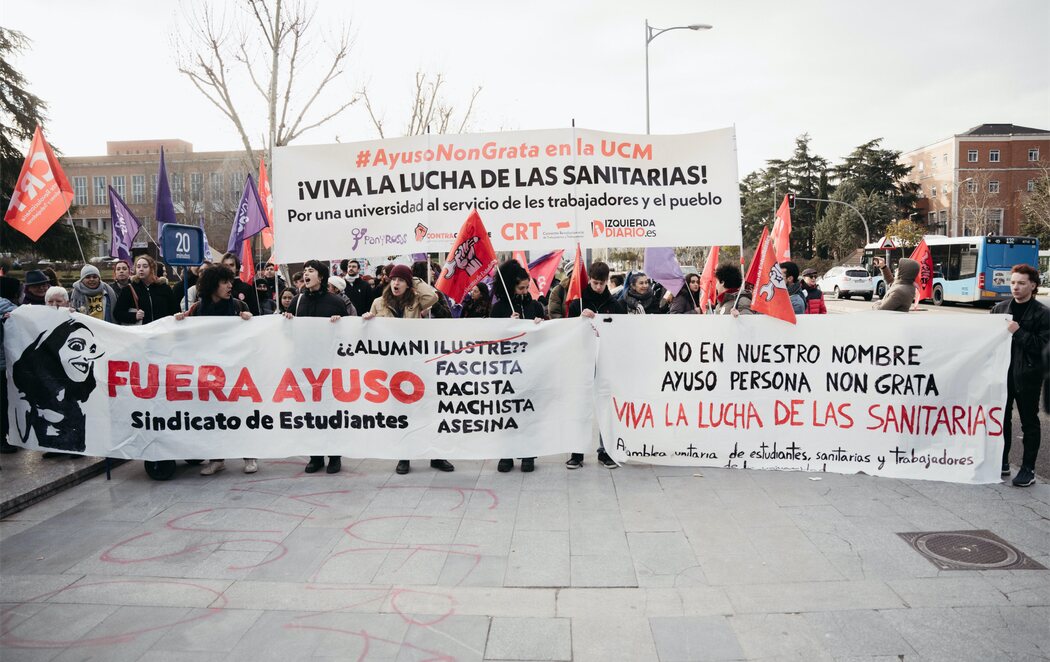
<point x="529" y="639"/>
<point x="695" y="639"/>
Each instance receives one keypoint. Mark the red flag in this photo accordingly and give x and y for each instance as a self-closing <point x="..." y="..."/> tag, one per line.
<point x="247" y="273"/>
<point x="471" y="259"/>
<point x="267" y="200"/>
<point x="922" y="255"/>
<point x="782" y="232"/>
<point x="708" y="296"/>
<point x="544" y="268"/>
<point x="771" y="296"/>
<point x="579" y="276"/>
<point x="752" y="271"/>
<point x="42" y="193"/>
<point x="519" y="257"/>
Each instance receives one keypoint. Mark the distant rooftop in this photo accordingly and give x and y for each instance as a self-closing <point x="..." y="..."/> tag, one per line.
<point x="1003" y="130"/>
<point x="127" y="147"/>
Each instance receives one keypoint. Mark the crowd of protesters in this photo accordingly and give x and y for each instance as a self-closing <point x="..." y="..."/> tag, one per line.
<point x="140" y="294"/>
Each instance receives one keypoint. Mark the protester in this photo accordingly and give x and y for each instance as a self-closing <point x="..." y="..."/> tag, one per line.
<point x="595" y="299"/>
<point x="181" y="288"/>
<point x="901" y="292"/>
<point x="284" y="302"/>
<point x="297" y="281"/>
<point x="35" y="289"/>
<point x="336" y="285"/>
<point x="814" y="297"/>
<point x="478" y="304"/>
<point x="687" y="301"/>
<point x="215" y="289"/>
<point x="357" y="288"/>
<point x="121" y="276"/>
<point x="615" y="284"/>
<point x="93" y="297"/>
<point x="519" y="306"/>
<point x="9" y="292"/>
<point x="265" y="288"/>
<point x="57" y="297"/>
<point x="1030" y="327"/>
<point x="428" y="273"/>
<point x="241" y="291"/>
<point x="556" y="298"/>
<point x="191" y="294"/>
<point x="642" y="296"/>
<point x="794" y="287"/>
<point x="406" y="297"/>
<point x="728" y="280"/>
<point x="52" y="277"/>
<point x="148" y="298"/>
<point x="316" y="301"/>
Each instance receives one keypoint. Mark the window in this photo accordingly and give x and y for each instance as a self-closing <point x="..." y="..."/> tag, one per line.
<point x="993" y="186"/>
<point x="933" y="191"/>
<point x="971" y="156"/>
<point x="932" y="219"/>
<point x="945" y="158"/>
<point x="176" y="189"/>
<point x="216" y="186"/>
<point x="138" y="189"/>
<point x="1031" y="185"/>
<point x="100" y="190"/>
<point x="119" y="186"/>
<point x="933" y="162"/>
<point x="993" y="156"/>
<point x="153" y="190"/>
<point x="236" y="187"/>
<point x="1033" y="154"/>
<point x="80" y="196"/>
<point x="196" y="187"/>
<point x="994" y="218"/>
<point x="922" y="166"/>
<point x="971" y="186"/>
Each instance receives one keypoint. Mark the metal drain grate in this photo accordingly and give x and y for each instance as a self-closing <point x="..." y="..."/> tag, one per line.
<point x="969" y="550"/>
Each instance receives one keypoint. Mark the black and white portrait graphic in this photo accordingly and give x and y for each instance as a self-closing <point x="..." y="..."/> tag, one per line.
<point x="54" y="376"/>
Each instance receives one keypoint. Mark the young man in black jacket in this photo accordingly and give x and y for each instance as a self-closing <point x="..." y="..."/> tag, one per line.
<point x="1030" y="327"/>
<point x="242" y="291"/>
<point x="317" y="301"/>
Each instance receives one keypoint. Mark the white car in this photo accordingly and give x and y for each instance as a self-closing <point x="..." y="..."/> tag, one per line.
<point x="845" y="282"/>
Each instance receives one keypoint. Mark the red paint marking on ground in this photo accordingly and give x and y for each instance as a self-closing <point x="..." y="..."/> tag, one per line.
<point x="367" y="640"/>
<point x="462" y="492"/>
<point x="108" y="557"/>
<point x="477" y="344"/>
<point x="171" y="523"/>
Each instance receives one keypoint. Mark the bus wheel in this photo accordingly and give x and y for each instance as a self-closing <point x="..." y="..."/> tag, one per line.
<point x="938" y="295"/>
<point x="880" y="289"/>
<point x="160" y="470"/>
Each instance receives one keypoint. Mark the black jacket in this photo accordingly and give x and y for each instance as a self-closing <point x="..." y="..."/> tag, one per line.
<point x="525" y="306"/>
<point x="318" y="304"/>
<point x="602" y="304"/>
<point x="360" y="294"/>
<point x="1027" y="344"/>
<point x="156" y="301"/>
<point x="246" y="293"/>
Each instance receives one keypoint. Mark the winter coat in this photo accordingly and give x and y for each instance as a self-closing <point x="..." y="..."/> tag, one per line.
<point x="155" y="300"/>
<point x="97" y="303"/>
<point x="525" y="306"/>
<point x="685" y="303"/>
<point x="814" y="301"/>
<point x="728" y="300"/>
<point x="556" y="300"/>
<point x="797" y="296"/>
<point x="246" y="293"/>
<point x="476" y="309"/>
<point x="602" y="304"/>
<point x="360" y="293"/>
<point x="650" y="303"/>
<point x="224" y="308"/>
<point x="901" y="293"/>
<point x="426" y="296"/>
<point x="319" y="303"/>
<point x="1027" y="344"/>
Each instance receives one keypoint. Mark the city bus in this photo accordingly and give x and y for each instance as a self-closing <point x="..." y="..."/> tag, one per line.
<point x="972" y="270"/>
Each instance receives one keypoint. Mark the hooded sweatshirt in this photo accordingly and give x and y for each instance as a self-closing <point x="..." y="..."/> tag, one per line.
<point x="98" y="302"/>
<point x="902" y="290"/>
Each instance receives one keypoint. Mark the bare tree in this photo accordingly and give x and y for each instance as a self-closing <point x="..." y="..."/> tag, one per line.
<point x="430" y="112"/>
<point x="978" y="198"/>
<point x="1035" y="205"/>
<point x="269" y="44"/>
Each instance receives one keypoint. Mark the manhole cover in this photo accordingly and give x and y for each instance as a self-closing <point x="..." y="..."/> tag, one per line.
<point x="969" y="550"/>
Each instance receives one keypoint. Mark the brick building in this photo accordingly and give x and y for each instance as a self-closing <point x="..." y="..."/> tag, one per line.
<point x="204" y="185"/>
<point x="974" y="182"/>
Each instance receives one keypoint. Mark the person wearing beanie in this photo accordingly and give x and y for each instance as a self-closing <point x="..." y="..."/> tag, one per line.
<point x="36" y="287"/>
<point x="316" y="301"/>
<point x="902" y="287"/>
<point x="406" y="297"/>
<point x="336" y="286"/>
<point x="93" y="297"/>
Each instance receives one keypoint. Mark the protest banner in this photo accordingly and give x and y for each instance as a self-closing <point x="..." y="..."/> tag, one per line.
<point x="880" y="393"/>
<point x="543" y="190"/>
<point x="395" y="389"/>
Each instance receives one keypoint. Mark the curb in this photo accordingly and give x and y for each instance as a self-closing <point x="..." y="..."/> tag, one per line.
<point x="23" y="501"/>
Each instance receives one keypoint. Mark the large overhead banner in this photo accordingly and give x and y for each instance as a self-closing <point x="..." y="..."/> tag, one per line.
<point x="887" y="394"/>
<point x="272" y="387"/>
<point x="534" y="190"/>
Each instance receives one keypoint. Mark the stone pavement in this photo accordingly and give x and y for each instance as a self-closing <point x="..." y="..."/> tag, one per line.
<point x="637" y="563"/>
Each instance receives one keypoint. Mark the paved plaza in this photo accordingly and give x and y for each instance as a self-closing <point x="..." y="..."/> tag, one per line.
<point x="637" y="563"/>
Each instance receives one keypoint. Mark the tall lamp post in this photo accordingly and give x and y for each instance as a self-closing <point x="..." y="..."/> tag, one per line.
<point x="650" y="34"/>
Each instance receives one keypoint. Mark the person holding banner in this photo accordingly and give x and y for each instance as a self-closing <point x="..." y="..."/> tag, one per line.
<point x="687" y="300"/>
<point x="316" y="301"/>
<point x="595" y="299"/>
<point x="731" y="300"/>
<point x="148" y="298"/>
<point x="406" y="297"/>
<point x="1030" y="328"/>
<point x="901" y="291"/>
<point x="478" y="304"/>
<point x="93" y="297"/>
<point x="241" y="290"/>
<point x="215" y="289"/>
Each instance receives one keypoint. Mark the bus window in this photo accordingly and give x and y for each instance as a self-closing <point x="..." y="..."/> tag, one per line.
<point x="954" y="258"/>
<point x="968" y="261"/>
<point x="939" y="254"/>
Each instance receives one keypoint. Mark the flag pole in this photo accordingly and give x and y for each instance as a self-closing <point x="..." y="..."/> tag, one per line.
<point x="510" y="301"/>
<point x="76" y="236"/>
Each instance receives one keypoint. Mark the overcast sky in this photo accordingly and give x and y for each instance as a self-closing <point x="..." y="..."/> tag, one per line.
<point x="845" y="72"/>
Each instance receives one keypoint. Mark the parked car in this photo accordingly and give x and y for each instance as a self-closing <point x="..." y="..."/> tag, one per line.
<point x="845" y="282"/>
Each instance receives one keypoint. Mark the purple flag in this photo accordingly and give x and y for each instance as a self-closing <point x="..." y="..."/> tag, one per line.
<point x="165" y="208"/>
<point x="207" y="248"/>
<point x="124" y="226"/>
<point x="661" y="266"/>
<point x="250" y="219"/>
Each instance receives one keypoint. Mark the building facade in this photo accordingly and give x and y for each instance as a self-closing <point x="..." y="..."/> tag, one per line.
<point x="974" y="183"/>
<point x="205" y="187"/>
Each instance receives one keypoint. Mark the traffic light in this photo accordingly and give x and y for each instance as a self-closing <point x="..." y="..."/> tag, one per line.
<point x="791" y="200"/>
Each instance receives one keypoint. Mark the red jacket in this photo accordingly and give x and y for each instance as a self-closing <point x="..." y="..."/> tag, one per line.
<point x="815" y="301"/>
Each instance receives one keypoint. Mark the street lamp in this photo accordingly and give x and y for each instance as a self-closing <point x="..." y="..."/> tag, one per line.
<point x="650" y="34"/>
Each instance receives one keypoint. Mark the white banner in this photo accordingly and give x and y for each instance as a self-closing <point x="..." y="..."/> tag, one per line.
<point x="908" y="396"/>
<point x="271" y="387"/>
<point x="533" y="189"/>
